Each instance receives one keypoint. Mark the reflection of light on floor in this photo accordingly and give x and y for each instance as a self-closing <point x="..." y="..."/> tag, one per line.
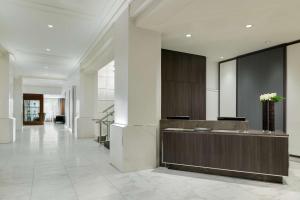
<point x="41" y="138"/>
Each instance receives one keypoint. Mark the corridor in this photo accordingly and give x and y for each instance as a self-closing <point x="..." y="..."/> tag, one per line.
<point x="47" y="162"/>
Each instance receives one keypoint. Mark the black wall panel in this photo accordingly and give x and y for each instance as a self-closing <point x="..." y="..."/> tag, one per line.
<point x="259" y="73"/>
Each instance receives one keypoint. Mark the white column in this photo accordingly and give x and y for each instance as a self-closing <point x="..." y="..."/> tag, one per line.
<point x="134" y="135"/>
<point x="292" y="98"/>
<point x="18" y="103"/>
<point x="88" y="95"/>
<point x="228" y="89"/>
<point x="7" y="122"/>
<point x="212" y="93"/>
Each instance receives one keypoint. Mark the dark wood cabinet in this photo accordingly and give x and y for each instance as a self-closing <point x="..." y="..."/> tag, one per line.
<point x="183" y="85"/>
<point x="33" y="109"/>
<point x="249" y="153"/>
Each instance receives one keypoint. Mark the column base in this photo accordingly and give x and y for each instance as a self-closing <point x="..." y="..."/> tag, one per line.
<point x="8" y="130"/>
<point x="85" y="127"/>
<point x="133" y="148"/>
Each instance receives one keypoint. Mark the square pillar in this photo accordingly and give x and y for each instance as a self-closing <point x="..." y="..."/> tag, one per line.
<point x="7" y="122"/>
<point x="88" y="96"/>
<point x="134" y="136"/>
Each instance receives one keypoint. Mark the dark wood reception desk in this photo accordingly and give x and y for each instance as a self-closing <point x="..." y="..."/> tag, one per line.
<point x="239" y="153"/>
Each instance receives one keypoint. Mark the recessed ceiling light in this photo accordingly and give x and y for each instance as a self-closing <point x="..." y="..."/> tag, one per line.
<point x="50" y="26"/>
<point x="48" y="49"/>
<point x="222" y="57"/>
<point x="268" y="42"/>
<point x="188" y="35"/>
<point x="248" y="26"/>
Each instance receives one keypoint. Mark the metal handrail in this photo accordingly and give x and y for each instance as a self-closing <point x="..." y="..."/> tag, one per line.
<point x="107" y="109"/>
<point x="106" y="116"/>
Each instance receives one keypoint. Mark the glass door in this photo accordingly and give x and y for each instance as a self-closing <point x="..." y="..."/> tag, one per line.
<point x="33" y="109"/>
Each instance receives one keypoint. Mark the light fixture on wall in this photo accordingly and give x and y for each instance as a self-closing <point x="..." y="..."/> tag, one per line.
<point x="248" y="26"/>
<point x="50" y="26"/>
<point x="188" y="35"/>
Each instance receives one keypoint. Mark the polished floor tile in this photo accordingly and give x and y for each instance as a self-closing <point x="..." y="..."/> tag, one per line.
<point x="48" y="163"/>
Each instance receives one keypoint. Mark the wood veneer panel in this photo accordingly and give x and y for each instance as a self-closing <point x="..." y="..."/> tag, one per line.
<point x="183" y="85"/>
<point x="257" y="154"/>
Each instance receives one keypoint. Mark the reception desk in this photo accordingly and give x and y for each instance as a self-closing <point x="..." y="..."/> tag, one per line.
<point x="240" y="153"/>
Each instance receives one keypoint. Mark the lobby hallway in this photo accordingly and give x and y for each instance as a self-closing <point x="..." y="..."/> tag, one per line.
<point x="48" y="163"/>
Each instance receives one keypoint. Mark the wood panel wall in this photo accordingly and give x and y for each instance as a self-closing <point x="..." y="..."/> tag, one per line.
<point x="183" y="85"/>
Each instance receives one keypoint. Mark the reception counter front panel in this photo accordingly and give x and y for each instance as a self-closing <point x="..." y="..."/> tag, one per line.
<point x="240" y="153"/>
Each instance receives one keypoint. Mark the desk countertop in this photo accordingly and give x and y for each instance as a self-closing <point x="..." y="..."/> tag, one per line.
<point x="231" y="132"/>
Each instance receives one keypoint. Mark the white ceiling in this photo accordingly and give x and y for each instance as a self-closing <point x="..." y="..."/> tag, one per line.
<point x="218" y="27"/>
<point x="42" y="82"/>
<point x="24" y="32"/>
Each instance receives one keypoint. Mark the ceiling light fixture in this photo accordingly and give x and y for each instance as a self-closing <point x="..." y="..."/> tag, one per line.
<point x="50" y="26"/>
<point x="222" y="57"/>
<point x="248" y="26"/>
<point x="188" y="35"/>
<point x="48" y="49"/>
<point x="267" y="42"/>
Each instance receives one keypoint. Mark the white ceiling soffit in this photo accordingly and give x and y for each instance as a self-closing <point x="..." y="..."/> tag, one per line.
<point x="218" y="28"/>
<point x="31" y="81"/>
<point x="25" y="32"/>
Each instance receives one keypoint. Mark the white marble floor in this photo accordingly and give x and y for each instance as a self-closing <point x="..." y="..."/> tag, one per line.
<point x="48" y="163"/>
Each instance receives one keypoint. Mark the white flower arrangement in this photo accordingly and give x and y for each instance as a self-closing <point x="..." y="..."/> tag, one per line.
<point x="270" y="97"/>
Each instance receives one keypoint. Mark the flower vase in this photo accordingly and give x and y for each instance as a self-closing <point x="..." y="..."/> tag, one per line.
<point x="265" y="116"/>
<point x="271" y="117"/>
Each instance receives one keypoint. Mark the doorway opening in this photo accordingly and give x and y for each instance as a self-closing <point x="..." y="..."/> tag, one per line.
<point x="105" y="102"/>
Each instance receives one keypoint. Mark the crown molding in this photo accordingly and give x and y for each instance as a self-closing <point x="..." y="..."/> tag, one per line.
<point x="115" y="11"/>
<point x="137" y="7"/>
<point x="42" y="6"/>
<point x="103" y="43"/>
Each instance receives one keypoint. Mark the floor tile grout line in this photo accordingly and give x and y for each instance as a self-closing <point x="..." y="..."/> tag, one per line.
<point x="114" y="187"/>
<point x="32" y="181"/>
<point x="72" y="183"/>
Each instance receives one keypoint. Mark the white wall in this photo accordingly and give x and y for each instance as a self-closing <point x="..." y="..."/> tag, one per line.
<point x="212" y="88"/>
<point x="7" y="122"/>
<point x="41" y="90"/>
<point x="72" y="81"/>
<point x="86" y="127"/>
<point x="106" y="88"/>
<point x="228" y="89"/>
<point x="18" y="103"/>
<point x="144" y="77"/>
<point x="4" y="85"/>
<point x="121" y="41"/>
<point x="293" y="98"/>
